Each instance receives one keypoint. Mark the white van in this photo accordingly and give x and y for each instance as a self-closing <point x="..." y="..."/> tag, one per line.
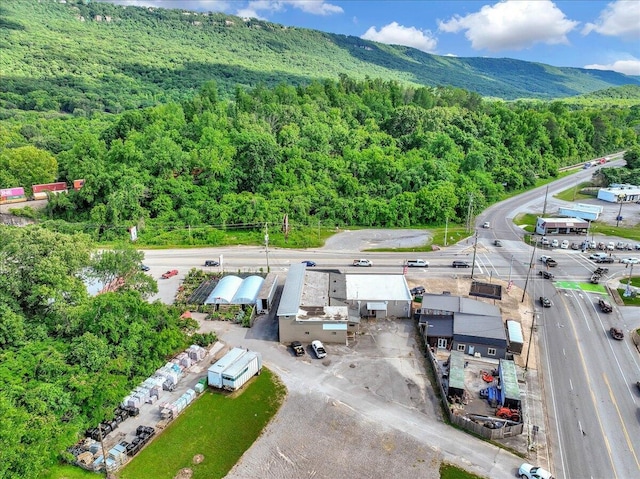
<point x="565" y="244"/>
<point x="611" y="246"/>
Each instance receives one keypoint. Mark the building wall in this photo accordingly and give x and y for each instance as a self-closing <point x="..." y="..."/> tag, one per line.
<point x="308" y="330"/>
<point x="397" y="309"/>
<point x="478" y="347"/>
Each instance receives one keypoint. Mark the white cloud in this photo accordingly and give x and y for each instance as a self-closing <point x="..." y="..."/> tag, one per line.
<point x="314" y="7"/>
<point x="628" y="67"/>
<point x="619" y="19"/>
<point x="395" y="34"/>
<point x="193" y="5"/>
<point x="512" y="25"/>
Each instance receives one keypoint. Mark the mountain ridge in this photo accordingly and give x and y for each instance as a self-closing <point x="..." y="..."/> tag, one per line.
<point x="112" y="57"/>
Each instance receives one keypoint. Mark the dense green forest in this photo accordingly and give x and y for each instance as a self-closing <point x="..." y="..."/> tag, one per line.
<point x="347" y="152"/>
<point x="81" y="57"/>
<point x="67" y="359"/>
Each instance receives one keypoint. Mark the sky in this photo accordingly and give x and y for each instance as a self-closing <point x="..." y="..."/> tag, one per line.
<point x="576" y="33"/>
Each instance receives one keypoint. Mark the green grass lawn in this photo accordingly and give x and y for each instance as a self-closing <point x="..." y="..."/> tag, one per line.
<point x="573" y="193"/>
<point x="216" y="425"/>
<point x="449" y="471"/>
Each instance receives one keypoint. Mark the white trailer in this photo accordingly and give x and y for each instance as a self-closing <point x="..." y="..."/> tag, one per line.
<point x="214" y="373"/>
<point x="234" y="369"/>
<point x="243" y="369"/>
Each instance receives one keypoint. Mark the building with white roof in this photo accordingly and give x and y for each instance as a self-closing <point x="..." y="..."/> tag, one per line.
<point x="328" y="305"/>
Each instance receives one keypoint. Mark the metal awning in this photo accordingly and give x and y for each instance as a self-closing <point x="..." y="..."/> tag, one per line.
<point x="376" y="306"/>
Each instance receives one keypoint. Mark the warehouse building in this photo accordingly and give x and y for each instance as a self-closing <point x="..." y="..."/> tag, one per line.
<point x="617" y="193"/>
<point x="328" y="305"/>
<point x="561" y="226"/>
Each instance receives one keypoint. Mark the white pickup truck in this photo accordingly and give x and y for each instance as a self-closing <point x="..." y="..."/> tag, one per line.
<point x="417" y="263"/>
<point x="362" y="262"/>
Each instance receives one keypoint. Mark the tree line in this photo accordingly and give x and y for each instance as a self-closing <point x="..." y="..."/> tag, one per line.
<point x="67" y="359"/>
<point x="342" y="153"/>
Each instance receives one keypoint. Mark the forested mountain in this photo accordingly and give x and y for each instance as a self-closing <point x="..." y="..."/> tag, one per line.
<point x="90" y="56"/>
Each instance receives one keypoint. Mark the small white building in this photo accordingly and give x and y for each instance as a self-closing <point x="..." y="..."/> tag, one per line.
<point x="616" y="193"/>
<point x="550" y="226"/>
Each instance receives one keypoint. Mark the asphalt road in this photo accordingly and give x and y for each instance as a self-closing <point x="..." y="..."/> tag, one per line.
<point x="592" y="401"/>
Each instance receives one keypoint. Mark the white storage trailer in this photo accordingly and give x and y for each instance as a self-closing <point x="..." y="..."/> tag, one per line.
<point x="243" y="369"/>
<point x="234" y="369"/>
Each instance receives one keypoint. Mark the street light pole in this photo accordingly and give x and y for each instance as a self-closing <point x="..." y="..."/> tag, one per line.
<point x="627" y="290"/>
<point x="510" y="266"/>
<point x="621" y="198"/>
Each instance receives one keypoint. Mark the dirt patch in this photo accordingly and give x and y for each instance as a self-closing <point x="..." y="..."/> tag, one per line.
<point x="184" y="473"/>
<point x="198" y="458"/>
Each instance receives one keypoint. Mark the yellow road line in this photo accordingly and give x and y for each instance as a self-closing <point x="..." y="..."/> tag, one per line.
<point x="591" y="389"/>
<point x="624" y="429"/>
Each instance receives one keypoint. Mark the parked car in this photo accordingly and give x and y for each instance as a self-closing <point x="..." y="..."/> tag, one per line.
<point x="621" y="245"/>
<point x="546" y="274"/>
<point x="527" y="471"/>
<point x="616" y="333"/>
<point x="592" y="245"/>
<point x="576" y="246"/>
<point x="169" y="274"/>
<point x="418" y="290"/>
<point x="309" y="263"/>
<point x="611" y="246"/>
<point x="318" y="348"/>
<point x="211" y="262"/>
<point x="497" y="243"/>
<point x="555" y="243"/>
<point x="545" y="302"/>
<point x="545" y="242"/>
<point x="297" y="347"/>
<point x="564" y="244"/>
<point x="630" y="260"/>
<point x="144" y="267"/>
<point x="460" y="264"/>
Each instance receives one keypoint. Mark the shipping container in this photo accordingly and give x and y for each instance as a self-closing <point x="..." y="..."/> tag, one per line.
<point x="12" y="195"/>
<point x="235" y="369"/>
<point x="40" y="191"/>
<point x="214" y="373"/>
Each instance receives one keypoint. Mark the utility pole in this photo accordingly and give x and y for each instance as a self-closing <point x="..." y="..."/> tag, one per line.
<point x="475" y="247"/>
<point x="533" y="322"/>
<point x="446" y="224"/>
<point x="469" y="208"/>
<point x="544" y="207"/>
<point x="533" y="254"/>
<point x="266" y="243"/>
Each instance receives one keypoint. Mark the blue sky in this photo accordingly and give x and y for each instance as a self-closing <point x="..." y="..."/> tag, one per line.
<point x="578" y="33"/>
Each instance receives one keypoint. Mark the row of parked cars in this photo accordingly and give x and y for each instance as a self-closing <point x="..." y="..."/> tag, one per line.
<point x="316" y="345"/>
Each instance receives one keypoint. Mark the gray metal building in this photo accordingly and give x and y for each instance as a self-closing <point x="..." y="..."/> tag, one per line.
<point x="462" y="324"/>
